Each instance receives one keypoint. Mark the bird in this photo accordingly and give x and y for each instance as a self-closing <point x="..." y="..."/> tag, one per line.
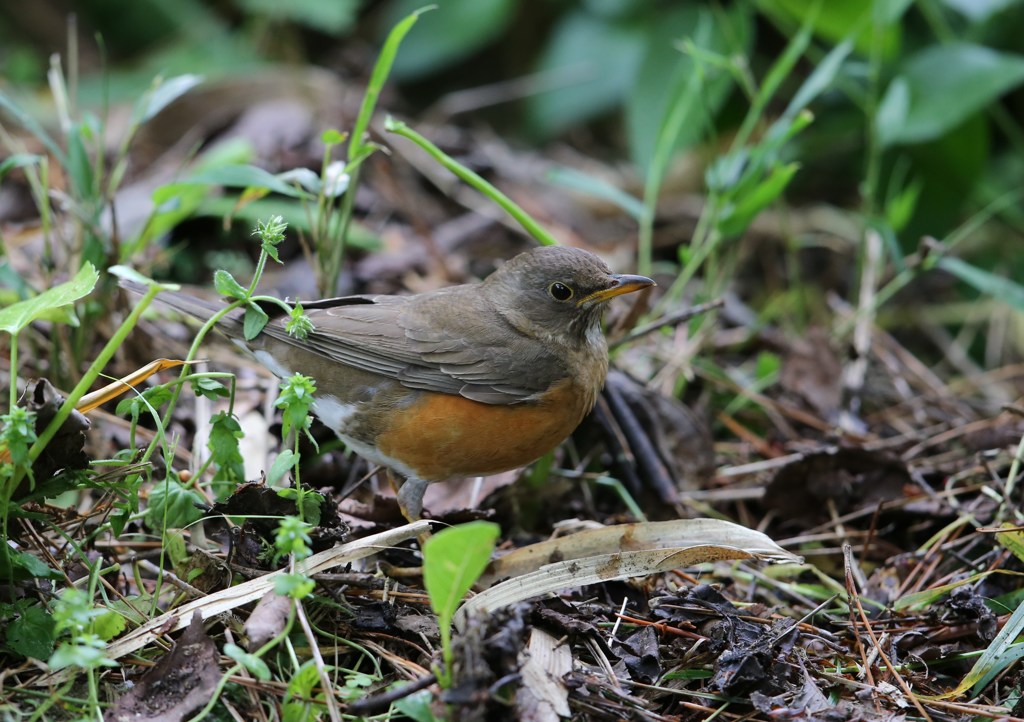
<point x="462" y="381"/>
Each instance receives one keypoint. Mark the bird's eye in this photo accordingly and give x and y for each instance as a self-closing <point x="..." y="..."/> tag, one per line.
<point x="559" y="291"/>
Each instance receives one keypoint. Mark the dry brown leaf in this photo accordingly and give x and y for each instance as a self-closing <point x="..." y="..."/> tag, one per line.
<point x="543" y="696"/>
<point x="182" y="680"/>
<point x="267" y="620"/>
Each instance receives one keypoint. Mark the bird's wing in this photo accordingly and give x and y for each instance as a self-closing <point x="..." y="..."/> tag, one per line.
<point x="447" y="341"/>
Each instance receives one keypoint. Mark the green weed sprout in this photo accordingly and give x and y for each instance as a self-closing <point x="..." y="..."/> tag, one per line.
<point x="453" y="560"/>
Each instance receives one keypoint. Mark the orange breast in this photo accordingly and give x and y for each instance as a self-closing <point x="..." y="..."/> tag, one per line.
<point x="442" y="436"/>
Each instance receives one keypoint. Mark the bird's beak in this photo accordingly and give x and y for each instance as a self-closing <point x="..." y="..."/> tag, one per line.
<point x="620" y="283"/>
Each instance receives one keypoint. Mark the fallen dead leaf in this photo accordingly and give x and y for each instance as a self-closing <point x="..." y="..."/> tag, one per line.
<point x="182" y="680"/>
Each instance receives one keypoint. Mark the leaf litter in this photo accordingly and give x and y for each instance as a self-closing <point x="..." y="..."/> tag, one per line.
<point x="895" y="512"/>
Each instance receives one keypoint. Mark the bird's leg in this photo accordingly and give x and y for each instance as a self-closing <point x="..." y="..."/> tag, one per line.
<point x="410" y="498"/>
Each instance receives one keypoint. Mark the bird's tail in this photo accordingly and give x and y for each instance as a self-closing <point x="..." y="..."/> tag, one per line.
<point x="190" y="305"/>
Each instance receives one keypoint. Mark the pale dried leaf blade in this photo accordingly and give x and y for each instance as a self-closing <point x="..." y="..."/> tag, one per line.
<point x="591" y="570"/>
<point x="249" y="591"/>
<point x="635" y="537"/>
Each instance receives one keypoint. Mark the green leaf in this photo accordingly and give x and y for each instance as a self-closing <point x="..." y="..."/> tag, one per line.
<point x="80" y="171"/>
<point x="32" y="634"/>
<point x="453" y="32"/>
<point x="108" y="625"/>
<point x="225" y="432"/>
<point x="226" y="285"/>
<point x="245" y="176"/>
<point x="306" y="178"/>
<point x="210" y="388"/>
<point x="999" y="287"/>
<point x="453" y="560"/>
<point x="379" y="76"/>
<point x="163" y="94"/>
<point x="152" y="398"/>
<point x="26" y="121"/>
<point x="596" y="60"/>
<point x="667" y="77"/>
<point x="296" y="586"/>
<point x="418" y="706"/>
<point x="334" y="17"/>
<point x="735" y="220"/>
<point x="821" y="79"/>
<point x="255" y="320"/>
<point x="299" y="324"/>
<point x="178" y="503"/>
<point x="837" y="19"/>
<point x="940" y="87"/>
<point x="174" y="545"/>
<point x="998" y="656"/>
<point x="311" y="503"/>
<point x="282" y="465"/>
<point x="18" y="434"/>
<point x="20" y="565"/>
<point x="295" y="400"/>
<point x="256" y="666"/>
<point x="137" y="608"/>
<point x="978" y="11"/>
<point x="595" y="187"/>
<point x="768" y="366"/>
<point x="17" y="316"/>
<point x="303" y="682"/>
<point x="333" y="136"/>
<point x="18" y="160"/>
<point x="78" y="655"/>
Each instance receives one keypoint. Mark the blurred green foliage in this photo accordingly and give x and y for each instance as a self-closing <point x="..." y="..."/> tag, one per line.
<point x="918" y="129"/>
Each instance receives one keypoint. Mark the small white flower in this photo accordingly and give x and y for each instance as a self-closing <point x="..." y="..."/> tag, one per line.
<point x="335" y="179"/>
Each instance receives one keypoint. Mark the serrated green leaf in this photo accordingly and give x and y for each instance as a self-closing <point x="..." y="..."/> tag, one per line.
<point x="17" y="316"/>
<point x="175" y="502"/>
<point x="295" y="586"/>
<point x="108" y="625"/>
<point x="23" y="565"/>
<point x="225" y="432"/>
<point x="32" y="633"/>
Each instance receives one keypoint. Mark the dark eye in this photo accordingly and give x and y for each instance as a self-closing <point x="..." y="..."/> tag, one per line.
<point x="559" y="291"/>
